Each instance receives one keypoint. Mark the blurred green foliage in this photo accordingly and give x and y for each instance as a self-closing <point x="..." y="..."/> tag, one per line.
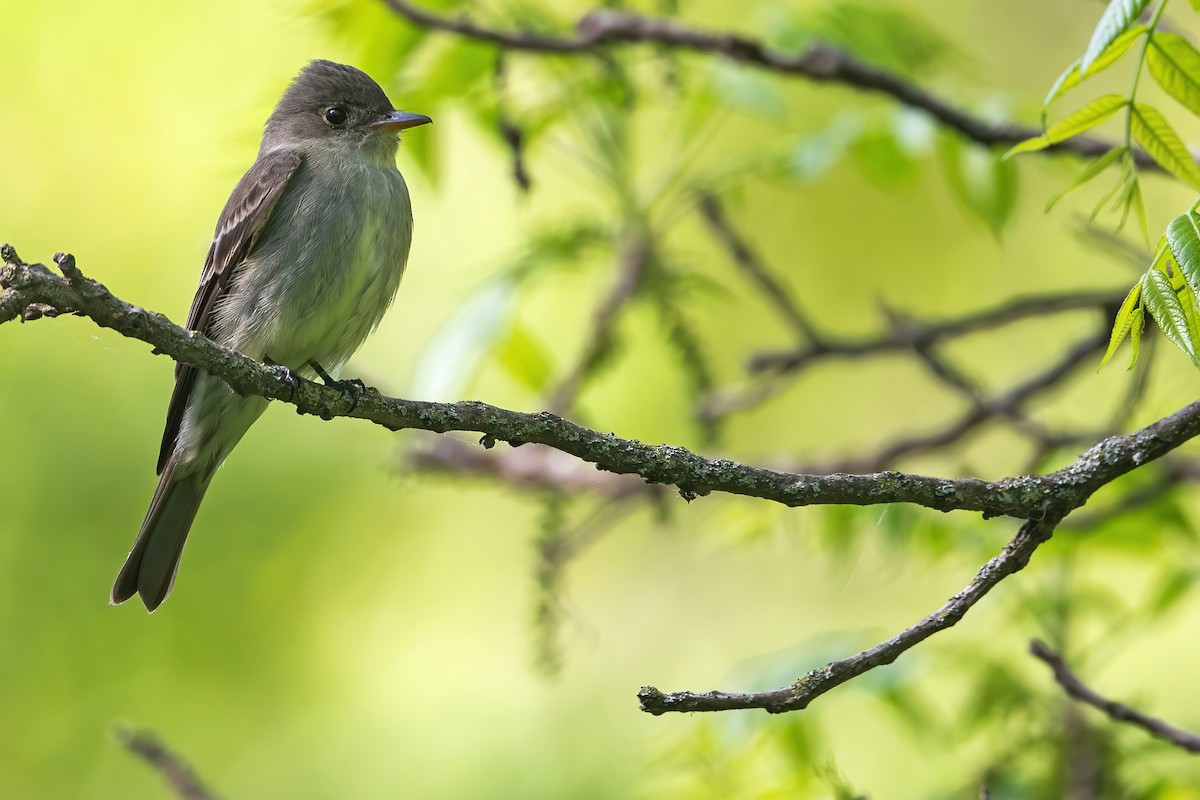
<point x="345" y="627"/>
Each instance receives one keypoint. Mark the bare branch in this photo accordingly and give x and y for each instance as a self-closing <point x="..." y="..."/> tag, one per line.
<point x="532" y="467"/>
<point x="819" y="63"/>
<point x="1171" y="473"/>
<point x="178" y="776"/>
<point x="1023" y="497"/>
<point x="812" y="685"/>
<point x="923" y="334"/>
<point x="1117" y="712"/>
<point x="742" y="254"/>
<point x="1007" y="406"/>
<point x="634" y="259"/>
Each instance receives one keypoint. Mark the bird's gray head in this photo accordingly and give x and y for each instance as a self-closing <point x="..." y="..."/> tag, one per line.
<point x="336" y="107"/>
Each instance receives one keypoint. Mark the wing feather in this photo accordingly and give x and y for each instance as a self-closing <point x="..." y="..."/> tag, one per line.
<point x="238" y="228"/>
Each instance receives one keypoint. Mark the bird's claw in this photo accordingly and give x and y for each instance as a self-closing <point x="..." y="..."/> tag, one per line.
<point x="353" y="388"/>
<point x="286" y="374"/>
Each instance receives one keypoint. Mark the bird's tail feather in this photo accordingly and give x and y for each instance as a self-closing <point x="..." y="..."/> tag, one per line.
<point x="152" y="563"/>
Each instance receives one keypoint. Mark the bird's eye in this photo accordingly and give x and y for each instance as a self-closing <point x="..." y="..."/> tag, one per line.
<point x="335" y="116"/>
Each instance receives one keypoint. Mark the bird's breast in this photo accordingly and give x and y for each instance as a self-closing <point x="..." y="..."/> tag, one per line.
<point x="328" y="266"/>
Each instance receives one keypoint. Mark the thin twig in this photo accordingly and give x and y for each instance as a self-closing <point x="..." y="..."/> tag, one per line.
<point x="1007" y="406"/>
<point x="1118" y="712"/>
<point x="818" y="62"/>
<point x="634" y="260"/>
<point x="1026" y="496"/>
<point x="180" y="778"/>
<point x="531" y="468"/>
<point x="905" y="334"/>
<point x="1171" y="473"/>
<point x="812" y="685"/>
<point x="744" y="256"/>
<point x="918" y="334"/>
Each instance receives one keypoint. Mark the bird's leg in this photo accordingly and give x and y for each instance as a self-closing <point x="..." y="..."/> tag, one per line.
<point x="353" y="387"/>
<point x="285" y="373"/>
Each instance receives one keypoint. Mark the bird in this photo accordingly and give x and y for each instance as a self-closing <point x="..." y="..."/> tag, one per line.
<point x="306" y="257"/>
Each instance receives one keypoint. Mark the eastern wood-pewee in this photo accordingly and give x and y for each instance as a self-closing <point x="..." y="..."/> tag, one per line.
<point x="307" y="256"/>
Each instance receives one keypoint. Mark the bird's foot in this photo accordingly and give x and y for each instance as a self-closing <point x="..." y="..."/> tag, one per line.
<point x="353" y="388"/>
<point x="285" y="374"/>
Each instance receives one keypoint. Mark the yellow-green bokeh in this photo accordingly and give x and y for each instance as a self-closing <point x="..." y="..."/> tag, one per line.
<point x="341" y="629"/>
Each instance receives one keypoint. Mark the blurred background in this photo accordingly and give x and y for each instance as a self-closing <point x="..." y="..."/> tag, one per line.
<point x="357" y="617"/>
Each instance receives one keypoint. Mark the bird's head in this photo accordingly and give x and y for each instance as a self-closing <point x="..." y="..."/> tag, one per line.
<point x="337" y="107"/>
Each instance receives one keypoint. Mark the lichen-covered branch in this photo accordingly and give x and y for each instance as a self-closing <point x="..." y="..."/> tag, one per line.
<point x="812" y="685"/>
<point x="28" y="291"/>
<point x="1118" y="712"/>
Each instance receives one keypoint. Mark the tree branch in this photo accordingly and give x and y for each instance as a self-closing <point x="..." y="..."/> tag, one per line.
<point x="748" y="261"/>
<point x="178" y="776"/>
<point x="24" y="287"/>
<point x="812" y="685"/>
<point x="1117" y="712"/>
<point x="820" y="63"/>
<point x="532" y="467"/>
<point x="634" y="260"/>
<point x="913" y="334"/>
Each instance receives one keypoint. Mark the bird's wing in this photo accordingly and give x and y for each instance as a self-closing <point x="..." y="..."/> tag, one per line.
<point x="241" y="221"/>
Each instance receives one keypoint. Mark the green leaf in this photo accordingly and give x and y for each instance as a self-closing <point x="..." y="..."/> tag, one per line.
<point x="884" y="159"/>
<point x="1086" y="118"/>
<point x="985" y="182"/>
<point x="815" y="155"/>
<point x="1168" y="311"/>
<point x="1175" y="64"/>
<point x="424" y="151"/>
<point x="1135" y="335"/>
<point x="1162" y="143"/>
<point x="1191" y="310"/>
<point x="457" y="67"/>
<point x="1091" y="171"/>
<point x="449" y="360"/>
<point x="1133" y="203"/>
<point x="1028" y="146"/>
<point x="525" y="358"/>
<point x="1118" y="18"/>
<point x="1183" y="237"/>
<point x="1170" y="588"/>
<point x="1124" y="322"/>
<point x="1071" y="76"/>
<point x="888" y="37"/>
<point x="748" y="88"/>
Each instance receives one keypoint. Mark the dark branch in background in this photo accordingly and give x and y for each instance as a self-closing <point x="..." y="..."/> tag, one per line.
<point x="812" y="685"/>
<point x="557" y="544"/>
<point x="1117" y="712"/>
<point x="819" y="63"/>
<point x="922" y="340"/>
<point x="1007" y="406"/>
<point x="1170" y="473"/>
<point x="912" y="334"/>
<point x="33" y="286"/>
<point x="635" y="259"/>
<point x="510" y="131"/>
<point x="744" y="256"/>
<point x="532" y="467"/>
<point x="178" y="776"/>
<point x="906" y="335"/>
<point x="32" y="291"/>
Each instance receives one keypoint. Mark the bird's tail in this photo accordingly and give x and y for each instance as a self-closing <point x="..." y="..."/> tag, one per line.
<point x="152" y="563"/>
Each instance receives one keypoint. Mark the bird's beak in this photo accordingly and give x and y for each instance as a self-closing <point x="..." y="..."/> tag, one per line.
<point x="398" y="121"/>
